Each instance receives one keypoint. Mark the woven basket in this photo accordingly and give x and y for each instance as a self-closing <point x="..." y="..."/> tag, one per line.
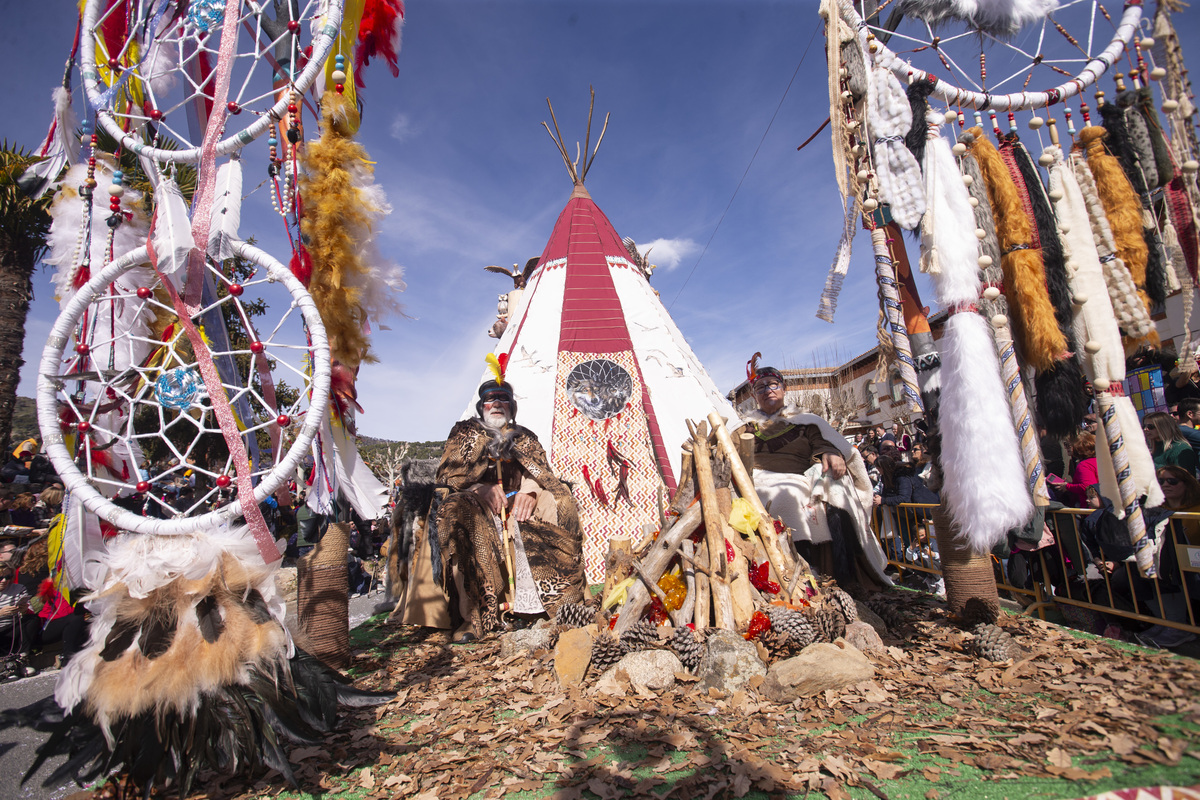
<point x="323" y="602"/>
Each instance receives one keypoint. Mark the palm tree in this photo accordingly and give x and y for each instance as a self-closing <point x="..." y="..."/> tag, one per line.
<point x="24" y="226"/>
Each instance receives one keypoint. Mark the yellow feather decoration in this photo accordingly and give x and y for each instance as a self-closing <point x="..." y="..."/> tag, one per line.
<point x="494" y="364"/>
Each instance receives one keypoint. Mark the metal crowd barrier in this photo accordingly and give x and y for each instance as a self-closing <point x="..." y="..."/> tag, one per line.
<point x="1074" y="573"/>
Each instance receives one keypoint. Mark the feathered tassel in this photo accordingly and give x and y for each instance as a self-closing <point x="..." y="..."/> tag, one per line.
<point x="975" y="452"/>
<point x="78" y="240"/>
<point x="1121" y="205"/>
<point x="226" y="210"/>
<point x="379" y="35"/>
<point x="897" y="172"/>
<point x="1062" y="397"/>
<point x="1128" y="306"/>
<point x="1042" y="343"/>
<point x="997" y="18"/>
<point x="58" y="149"/>
<point x="351" y="282"/>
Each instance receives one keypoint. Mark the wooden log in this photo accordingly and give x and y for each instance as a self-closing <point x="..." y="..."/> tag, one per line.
<point x="745" y="448"/>
<point x="714" y="535"/>
<point x="618" y="564"/>
<point x="654" y="564"/>
<point x="684" y="492"/>
<point x="703" y="615"/>
<point x="781" y="561"/>
<point x="741" y="591"/>
<point x="686" y="612"/>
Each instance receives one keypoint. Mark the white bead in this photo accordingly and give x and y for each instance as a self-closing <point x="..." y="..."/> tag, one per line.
<point x="980" y="234"/>
<point x="870" y="204"/>
<point x="1036" y="122"/>
<point x="1064" y="227"/>
<point x="863" y="176"/>
<point x="116" y="189"/>
<point x="958" y="149"/>
<point x="950" y="117"/>
<point x="974" y="201"/>
<point x="1190" y="166"/>
<point x="1056" y="195"/>
<point x="985" y="261"/>
<point x="1079" y="299"/>
<point x="847" y="96"/>
<point x="967" y="180"/>
<point x="999" y="321"/>
<point x="1147" y="42"/>
<point x="991" y="293"/>
<point x="852" y="124"/>
<point x="1045" y="159"/>
<point x="1169" y="105"/>
<point x="1101" y="385"/>
<point x="337" y="76"/>
<point x="1092" y="347"/>
<point x="1157" y="74"/>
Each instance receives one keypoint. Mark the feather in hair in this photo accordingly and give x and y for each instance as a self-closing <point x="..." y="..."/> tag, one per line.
<point x="1041" y="341"/>
<point x="494" y="365"/>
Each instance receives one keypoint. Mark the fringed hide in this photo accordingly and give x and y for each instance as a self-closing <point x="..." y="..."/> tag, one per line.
<point x="983" y="476"/>
<point x="1041" y="342"/>
<point x="343" y="208"/>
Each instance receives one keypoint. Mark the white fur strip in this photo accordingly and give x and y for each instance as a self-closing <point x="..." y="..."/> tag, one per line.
<point x="951" y="242"/>
<point x="984" y="487"/>
<point x="997" y="17"/>
<point x="896" y="169"/>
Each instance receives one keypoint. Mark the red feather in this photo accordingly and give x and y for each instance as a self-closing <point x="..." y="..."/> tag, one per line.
<point x="503" y="359"/>
<point x="301" y="265"/>
<point x="379" y="35"/>
<point x="752" y="367"/>
<point x="46" y="589"/>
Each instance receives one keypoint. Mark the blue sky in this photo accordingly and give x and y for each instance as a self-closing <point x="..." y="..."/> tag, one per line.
<point x="474" y="179"/>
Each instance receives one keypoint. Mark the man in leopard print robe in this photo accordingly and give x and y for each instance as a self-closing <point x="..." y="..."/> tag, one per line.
<point x="490" y="462"/>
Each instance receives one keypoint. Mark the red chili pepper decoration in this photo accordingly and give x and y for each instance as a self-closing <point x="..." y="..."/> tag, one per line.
<point x="612" y="621"/>
<point x="597" y="489"/>
<point x="760" y="578"/>
<point x="730" y="556"/>
<point x="779" y="526"/>
<point x="760" y="623"/>
<point x="656" y="613"/>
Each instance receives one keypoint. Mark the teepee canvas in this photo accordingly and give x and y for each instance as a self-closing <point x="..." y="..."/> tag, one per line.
<point x="603" y="376"/>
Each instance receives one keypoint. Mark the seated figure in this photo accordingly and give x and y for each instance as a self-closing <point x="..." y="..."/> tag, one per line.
<point x="496" y="469"/>
<point x="812" y="479"/>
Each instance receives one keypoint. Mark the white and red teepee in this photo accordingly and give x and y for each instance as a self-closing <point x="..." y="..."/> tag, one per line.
<point x="603" y="376"/>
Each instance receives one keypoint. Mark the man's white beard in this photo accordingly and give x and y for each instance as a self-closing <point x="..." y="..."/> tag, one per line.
<point x="496" y="419"/>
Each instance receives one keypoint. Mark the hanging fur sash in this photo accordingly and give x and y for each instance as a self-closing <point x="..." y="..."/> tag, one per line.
<point x="897" y="171"/>
<point x="983" y="476"/>
<point x="1041" y="342"/>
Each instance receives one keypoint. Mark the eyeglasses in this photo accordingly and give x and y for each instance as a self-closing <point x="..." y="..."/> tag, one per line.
<point x="1171" y="481"/>
<point x="767" y="386"/>
<point x="497" y="402"/>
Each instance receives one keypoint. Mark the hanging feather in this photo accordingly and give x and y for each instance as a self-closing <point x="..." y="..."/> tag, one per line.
<point x="996" y="18"/>
<point x="226" y="210"/>
<point x="896" y="170"/>
<point x="1042" y="343"/>
<point x="983" y="476"/>
<point x="352" y="283"/>
<point x="173" y="242"/>
<point x="58" y="149"/>
<point x="1062" y="398"/>
<point x="379" y="35"/>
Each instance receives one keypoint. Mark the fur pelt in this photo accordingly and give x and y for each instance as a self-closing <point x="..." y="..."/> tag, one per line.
<point x="997" y="17"/>
<point x="896" y="170"/>
<point x="992" y="274"/>
<point x="918" y="101"/>
<point x="1160" y="149"/>
<point x="352" y="284"/>
<point x="1141" y="150"/>
<point x="1041" y="342"/>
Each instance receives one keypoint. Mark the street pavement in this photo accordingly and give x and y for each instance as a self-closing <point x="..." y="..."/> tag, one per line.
<point x="18" y="745"/>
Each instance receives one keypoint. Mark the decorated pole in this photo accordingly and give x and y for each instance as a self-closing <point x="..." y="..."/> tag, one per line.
<point x="885" y="276"/>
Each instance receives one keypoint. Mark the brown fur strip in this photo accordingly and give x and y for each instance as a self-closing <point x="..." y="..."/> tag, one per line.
<point x="1040" y="340"/>
<point x="1121" y="205"/>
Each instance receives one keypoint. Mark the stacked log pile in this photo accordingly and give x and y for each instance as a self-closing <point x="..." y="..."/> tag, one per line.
<point x="718" y="560"/>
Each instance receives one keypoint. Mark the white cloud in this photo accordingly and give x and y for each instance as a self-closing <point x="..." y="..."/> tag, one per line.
<point x="401" y="127"/>
<point x="668" y="253"/>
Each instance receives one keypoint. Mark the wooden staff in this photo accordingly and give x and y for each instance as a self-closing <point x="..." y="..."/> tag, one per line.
<point x="505" y="541"/>
<point x="714" y="535"/>
<point x="702" y="593"/>
<point x="741" y="590"/>
<point x="654" y="564"/>
<point x="781" y="561"/>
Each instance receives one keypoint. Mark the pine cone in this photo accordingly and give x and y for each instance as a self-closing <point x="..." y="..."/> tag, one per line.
<point x="827" y="621"/>
<point x="689" y="646"/>
<point x="575" y="615"/>
<point x="888" y="611"/>
<point x="792" y="630"/>
<point x="642" y="635"/>
<point x="994" y="643"/>
<point x="844" y="602"/>
<point x="606" y="652"/>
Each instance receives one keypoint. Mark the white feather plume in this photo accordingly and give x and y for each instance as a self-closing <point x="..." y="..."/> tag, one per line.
<point x="160" y="65"/>
<point x="997" y="17"/>
<point x="173" y="242"/>
<point x="226" y="210"/>
<point x="384" y="279"/>
<point x="59" y="149"/>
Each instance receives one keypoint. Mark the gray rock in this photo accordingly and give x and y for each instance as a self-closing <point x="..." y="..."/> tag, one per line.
<point x="729" y="662"/>
<point x="819" y="667"/>
<point x="515" y="642"/>
<point x="654" y="669"/>
<point x="863" y="637"/>
<point x="865" y="614"/>
<point x="285" y="584"/>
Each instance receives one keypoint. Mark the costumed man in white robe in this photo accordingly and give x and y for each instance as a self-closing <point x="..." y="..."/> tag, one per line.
<point x="812" y="479"/>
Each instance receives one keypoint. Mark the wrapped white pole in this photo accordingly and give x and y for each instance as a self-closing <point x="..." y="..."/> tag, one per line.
<point x="885" y="276"/>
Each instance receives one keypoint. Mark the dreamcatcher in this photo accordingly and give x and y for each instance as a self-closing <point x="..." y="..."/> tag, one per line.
<point x="1000" y="239"/>
<point x="179" y="338"/>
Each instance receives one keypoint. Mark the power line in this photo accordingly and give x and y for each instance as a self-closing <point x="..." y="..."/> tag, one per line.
<point x="747" y="172"/>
